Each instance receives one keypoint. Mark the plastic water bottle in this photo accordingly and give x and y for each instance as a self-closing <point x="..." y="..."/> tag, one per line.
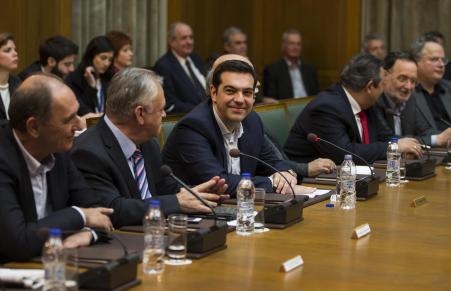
<point x="393" y="164"/>
<point x="245" y="196"/>
<point x="153" y="253"/>
<point x="348" y="174"/>
<point x="54" y="261"/>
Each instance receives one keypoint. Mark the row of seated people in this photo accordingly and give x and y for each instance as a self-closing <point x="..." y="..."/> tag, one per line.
<point x="116" y="164"/>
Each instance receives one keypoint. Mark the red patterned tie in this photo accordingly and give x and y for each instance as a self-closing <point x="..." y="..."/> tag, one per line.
<point x="364" y="123"/>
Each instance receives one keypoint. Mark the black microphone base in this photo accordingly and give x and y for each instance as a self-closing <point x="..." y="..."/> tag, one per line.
<point x="284" y="213"/>
<point x="206" y="239"/>
<point x="367" y="188"/>
<point x="418" y="169"/>
<point x="111" y="275"/>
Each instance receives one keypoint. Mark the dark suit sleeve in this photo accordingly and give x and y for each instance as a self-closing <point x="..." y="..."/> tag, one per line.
<point x="173" y="102"/>
<point x="20" y="240"/>
<point x="270" y="83"/>
<point x="127" y="210"/>
<point x="329" y="125"/>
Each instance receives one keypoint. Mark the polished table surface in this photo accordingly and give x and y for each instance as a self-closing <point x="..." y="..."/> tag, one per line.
<point x="408" y="248"/>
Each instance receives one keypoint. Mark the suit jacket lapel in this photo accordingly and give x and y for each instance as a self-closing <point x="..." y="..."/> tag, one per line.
<point x="423" y="108"/>
<point x="446" y="99"/>
<point x="117" y="156"/>
<point x="287" y="80"/>
<point x="180" y="72"/>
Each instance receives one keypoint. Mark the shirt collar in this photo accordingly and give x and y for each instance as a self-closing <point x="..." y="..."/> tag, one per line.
<point x="182" y="60"/>
<point x="33" y="165"/>
<point x="237" y="133"/>
<point x="293" y="64"/>
<point x="354" y="105"/>
<point x="127" y="145"/>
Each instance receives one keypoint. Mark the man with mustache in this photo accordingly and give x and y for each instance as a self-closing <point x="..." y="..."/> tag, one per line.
<point x="398" y="107"/>
<point x="56" y="56"/>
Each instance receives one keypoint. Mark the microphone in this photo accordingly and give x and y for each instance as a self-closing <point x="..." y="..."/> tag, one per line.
<point x="364" y="188"/>
<point x="167" y="171"/>
<point x="285" y="213"/>
<point x="236" y="153"/>
<point x="311" y="137"/>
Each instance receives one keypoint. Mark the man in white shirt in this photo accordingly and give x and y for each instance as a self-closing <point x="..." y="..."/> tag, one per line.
<point x="40" y="187"/>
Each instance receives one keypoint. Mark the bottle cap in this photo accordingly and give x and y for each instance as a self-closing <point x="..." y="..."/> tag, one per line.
<point x="246" y="175"/>
<point x="348" y="157"/>
<point x="394" y="139"/>
<point x="54" y="232"/>
<point x="330" y="205"/>
<point x="154" y="202"/>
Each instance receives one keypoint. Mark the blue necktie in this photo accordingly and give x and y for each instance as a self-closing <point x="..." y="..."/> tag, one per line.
<point x="140" y="174"/>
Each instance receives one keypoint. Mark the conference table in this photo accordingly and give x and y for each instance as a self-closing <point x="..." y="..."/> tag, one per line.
<point x="409" y="248"/>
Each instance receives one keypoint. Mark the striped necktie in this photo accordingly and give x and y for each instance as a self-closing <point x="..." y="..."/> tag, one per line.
<point x="140" y="174"/>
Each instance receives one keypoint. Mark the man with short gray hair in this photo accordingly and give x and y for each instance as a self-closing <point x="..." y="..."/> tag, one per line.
<point x="289" y="77"/>
<point x="374" y="44"/>
<point x="183" y="71"/>
<point x="344" y="115"/>
<point x="120" y="159"/>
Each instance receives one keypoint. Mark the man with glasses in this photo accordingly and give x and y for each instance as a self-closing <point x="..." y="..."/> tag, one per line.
<point x="120" y="159"/>
<point x="433" y="93"/>
<point x="397" y="106"/>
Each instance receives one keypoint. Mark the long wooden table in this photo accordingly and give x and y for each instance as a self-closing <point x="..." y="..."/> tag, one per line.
<point x="408" y="249"/>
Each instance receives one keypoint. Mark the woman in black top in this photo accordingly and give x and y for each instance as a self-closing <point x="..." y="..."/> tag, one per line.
<point x="8" y="63"/>
<point x="91" y="78"/>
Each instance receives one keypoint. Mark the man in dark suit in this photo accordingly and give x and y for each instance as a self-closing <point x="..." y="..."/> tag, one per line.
<point x="108" y="154"/>
<point x="183" y="71"/>
<point x="40" y="187"/>
<point x="433" y="93"/>
<point x="344" y="116"/>
<point x="398" y="107"/>
<point x="198" y="147"/>
<point x="289" y="77"/>
<point x="56" y="56"/>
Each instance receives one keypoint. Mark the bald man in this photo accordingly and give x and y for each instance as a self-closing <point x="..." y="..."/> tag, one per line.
<point x="40" y="187"/>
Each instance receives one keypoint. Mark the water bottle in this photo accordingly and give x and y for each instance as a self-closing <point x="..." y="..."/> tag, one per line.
<point x="54" y="261"/>
<point x="153" y="254"/>
<point x="245" y="196"/>
<point x="348" y="174"/>
<point x="393" y="163"/>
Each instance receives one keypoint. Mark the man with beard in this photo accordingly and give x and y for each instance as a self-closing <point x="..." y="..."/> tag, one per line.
<point x="56" y="56"/>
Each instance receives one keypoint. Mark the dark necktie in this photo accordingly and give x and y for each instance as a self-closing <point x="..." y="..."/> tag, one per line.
<point x="193" y="77"/>
<point x="364" y="123"/>
<point x="140" y="174"/>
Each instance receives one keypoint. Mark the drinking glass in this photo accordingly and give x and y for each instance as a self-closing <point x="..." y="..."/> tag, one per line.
<point x="176" y="250"/>
<point x="259" y="218"/>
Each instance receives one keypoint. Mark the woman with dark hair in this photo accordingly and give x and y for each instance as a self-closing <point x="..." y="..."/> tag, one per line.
<point x="123" y="53"/>
<point x="8" y="63"/>
<point x="91" y="78"/>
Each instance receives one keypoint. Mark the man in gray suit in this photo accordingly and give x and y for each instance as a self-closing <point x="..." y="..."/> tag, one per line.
<point x="433" y="93"/>
<point x="397" y="107"/>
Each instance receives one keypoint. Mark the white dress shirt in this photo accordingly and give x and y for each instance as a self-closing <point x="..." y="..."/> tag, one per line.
<point x="230" y="142"/>
<point x="6" y="97"/>
<point x="355" y="110"/>
<point x="196" y="71"/>
<point x="296" y="79"/>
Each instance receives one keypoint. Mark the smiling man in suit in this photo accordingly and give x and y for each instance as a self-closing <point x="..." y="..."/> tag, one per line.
<point x="183" y="71"/>
<point x="39" y="185"/>
<point x="289" y="77"/>
<point x="198" y="147"/>
<point x="120" y="159"/>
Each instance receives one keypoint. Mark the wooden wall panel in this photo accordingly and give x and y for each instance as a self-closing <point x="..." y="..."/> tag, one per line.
<point x="331" y="28"/>
<point x="33" y="21"/>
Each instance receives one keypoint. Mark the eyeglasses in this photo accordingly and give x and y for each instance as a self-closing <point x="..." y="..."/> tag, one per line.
<point x="435" y="60"/>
